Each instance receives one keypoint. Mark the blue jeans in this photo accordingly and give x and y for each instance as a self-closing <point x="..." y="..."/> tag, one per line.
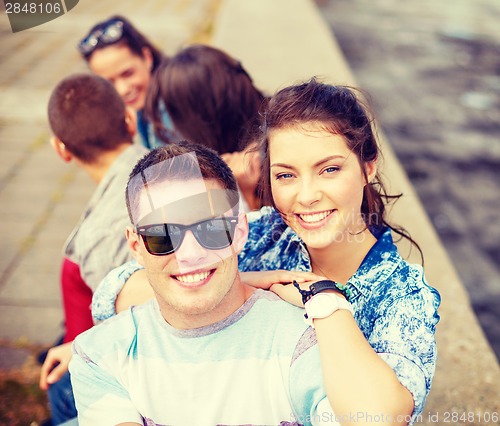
<point x="62" y="401"/>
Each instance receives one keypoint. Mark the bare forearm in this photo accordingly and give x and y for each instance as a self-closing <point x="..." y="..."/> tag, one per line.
<point x="135" y="291"/>
<point x="357" y="381"/>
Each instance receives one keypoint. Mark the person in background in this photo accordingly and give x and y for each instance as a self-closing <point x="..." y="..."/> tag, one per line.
<point x="115" y="50"/>
<point x="211" y="99"/>
<point x="92" y="128"/>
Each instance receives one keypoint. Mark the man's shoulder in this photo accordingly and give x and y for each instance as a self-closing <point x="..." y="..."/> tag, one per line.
<point x="117" y="334"/>
<point x="273" y="303"/>
<point x="107" y="209"/>
<point x="133" y="153"/>
<point x="276" y="313"/>
<point x="119" y="171"/>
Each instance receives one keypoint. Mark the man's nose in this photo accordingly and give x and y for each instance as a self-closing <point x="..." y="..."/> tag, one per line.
<point x="191" y="251"/>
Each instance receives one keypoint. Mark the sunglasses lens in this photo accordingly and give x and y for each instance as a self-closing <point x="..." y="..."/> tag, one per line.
<point x="109" y="34"/>
<point x="158" y="240"/>
<point x="88" y="44"/>
<point x="212" y="234"/>
<point x="215" y="233"/>
<point x="112" y="32"/>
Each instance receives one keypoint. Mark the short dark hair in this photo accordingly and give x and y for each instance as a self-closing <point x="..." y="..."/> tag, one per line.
<point x="131" y="37"/>
<point x="88" y="116"/>
<point x="205" y="160"/>
<point x="209" y="96"/>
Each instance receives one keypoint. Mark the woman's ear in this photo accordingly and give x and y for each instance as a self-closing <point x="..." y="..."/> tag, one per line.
<point x="134" y="244"/>
<point x="131" y="121"/>
<point x="61" y="149"/>
<point x="148" y="57"/>
<point x="371" y="170"/>
<point x="240" y="233"/>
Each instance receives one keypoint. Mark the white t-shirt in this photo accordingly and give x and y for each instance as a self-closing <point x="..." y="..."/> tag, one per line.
<point x="259" y="366"/>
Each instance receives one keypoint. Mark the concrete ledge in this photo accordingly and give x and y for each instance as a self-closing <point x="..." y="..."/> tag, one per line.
<point x="281" y="42"/>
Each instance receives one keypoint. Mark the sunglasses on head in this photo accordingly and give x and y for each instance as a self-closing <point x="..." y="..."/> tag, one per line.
<point x="110" y="33"/>
<point x="165" y="238"/>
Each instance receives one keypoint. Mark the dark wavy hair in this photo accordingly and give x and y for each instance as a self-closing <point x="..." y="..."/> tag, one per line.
<point x="209" y="96"/>
<point x="339" y="110"/>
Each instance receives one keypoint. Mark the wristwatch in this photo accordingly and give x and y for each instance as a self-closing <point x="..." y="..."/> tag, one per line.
<point x="323" y="305"/>
<point x="320" y="286"/>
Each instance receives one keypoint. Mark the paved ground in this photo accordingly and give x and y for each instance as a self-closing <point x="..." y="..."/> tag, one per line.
<point x="40" y="196"/>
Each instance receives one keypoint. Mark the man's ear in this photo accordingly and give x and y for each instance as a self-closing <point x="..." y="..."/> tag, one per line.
<point x="240" y="233"/>
<point x="371" y="170"/>
<point x="134" y="244"/>
<point x="61" y="149"/>
<point x="131" y="121"/>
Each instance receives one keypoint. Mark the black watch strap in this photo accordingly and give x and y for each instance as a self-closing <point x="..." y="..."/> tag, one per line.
<point x="323" y="285"/>
<point x="320" y="286"/>
<point x="306" y="294"/>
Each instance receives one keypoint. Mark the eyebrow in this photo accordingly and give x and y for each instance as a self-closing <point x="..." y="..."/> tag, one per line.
<point x="319" y="163"/>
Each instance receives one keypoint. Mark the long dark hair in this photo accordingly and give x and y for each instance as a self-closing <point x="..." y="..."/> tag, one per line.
<point x="209" y="96"/>
<point x="340" y="111"/>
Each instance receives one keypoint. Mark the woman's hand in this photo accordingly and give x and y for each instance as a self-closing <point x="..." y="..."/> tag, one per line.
<point x="280" y="282"/>
<point x="245" y="166"/>
<point x="265" y="279"/>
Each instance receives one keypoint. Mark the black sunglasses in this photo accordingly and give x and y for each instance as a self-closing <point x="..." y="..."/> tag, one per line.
<point x="166" y="238"/>
<point x="110" y="33"/>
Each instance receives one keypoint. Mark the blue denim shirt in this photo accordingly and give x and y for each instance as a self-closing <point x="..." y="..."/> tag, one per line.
<point x="393" y="305"/>
<point x="146" y="129"/>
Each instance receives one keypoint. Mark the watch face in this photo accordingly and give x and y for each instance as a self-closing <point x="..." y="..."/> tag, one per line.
<point x="322" y="305"/>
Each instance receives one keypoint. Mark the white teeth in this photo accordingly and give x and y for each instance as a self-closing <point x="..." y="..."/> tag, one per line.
<point x="314" y="217"/>
<point x="192" y="278"/>
<point x="131" y="96"/>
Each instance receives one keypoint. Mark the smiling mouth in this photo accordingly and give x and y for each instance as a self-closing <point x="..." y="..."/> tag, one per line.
<point x="193" y="278"/>
<point x="132" y="97"/>
<point x="314" y="217"/>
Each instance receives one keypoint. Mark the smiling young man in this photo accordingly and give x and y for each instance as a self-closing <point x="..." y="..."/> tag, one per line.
<point x="207" y="349"/>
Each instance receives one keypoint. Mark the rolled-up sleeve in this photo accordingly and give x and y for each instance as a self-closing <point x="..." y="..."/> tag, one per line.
<point x="404" y="336"/>
<point x="104" y="298"/>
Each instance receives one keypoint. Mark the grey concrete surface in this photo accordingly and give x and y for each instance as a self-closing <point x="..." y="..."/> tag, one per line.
<point x="285" y="41"/>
